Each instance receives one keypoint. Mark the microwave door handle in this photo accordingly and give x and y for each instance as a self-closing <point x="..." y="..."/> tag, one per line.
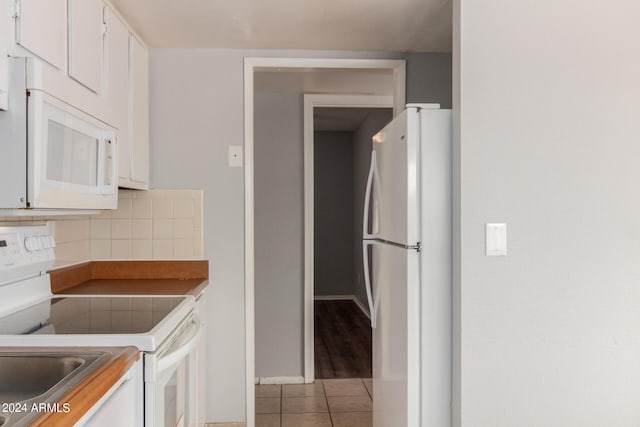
<point x="171" y="359"/>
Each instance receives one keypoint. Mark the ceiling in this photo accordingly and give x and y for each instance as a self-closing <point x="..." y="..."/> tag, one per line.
<point x="339" y="119"/>
<point x="374" y="25"/>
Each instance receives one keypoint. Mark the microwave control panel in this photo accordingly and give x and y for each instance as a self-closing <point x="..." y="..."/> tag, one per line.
<point x="25" y="251"/>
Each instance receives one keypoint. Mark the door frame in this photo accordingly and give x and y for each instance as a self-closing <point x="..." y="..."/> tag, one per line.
<point x="312" y="101"/>
<point x="251" y="64"/>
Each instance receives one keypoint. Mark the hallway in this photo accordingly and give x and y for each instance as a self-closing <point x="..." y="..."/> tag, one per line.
<point x="342" y="340"/>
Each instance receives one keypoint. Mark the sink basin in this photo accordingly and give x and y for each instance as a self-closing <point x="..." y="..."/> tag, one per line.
<point x="25" y="377"/>
<point x="41" y="377"/>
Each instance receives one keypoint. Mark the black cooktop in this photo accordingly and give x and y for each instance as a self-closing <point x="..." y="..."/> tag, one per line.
<point x="90" y="315"/>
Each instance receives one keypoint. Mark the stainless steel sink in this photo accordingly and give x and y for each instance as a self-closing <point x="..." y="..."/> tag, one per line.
<point x="35" y="377"/>
<point x="25" y="377"/>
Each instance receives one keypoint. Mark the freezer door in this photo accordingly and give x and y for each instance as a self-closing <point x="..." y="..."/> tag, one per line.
<point x="396" y="339"/>
<point x="393" y="182"/>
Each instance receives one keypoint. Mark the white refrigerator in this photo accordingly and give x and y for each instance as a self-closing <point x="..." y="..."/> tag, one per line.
<point x="407" y="268"/>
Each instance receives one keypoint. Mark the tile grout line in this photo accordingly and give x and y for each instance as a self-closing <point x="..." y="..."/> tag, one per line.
<point x="281" y="397"/>
<point x="326" y="399"/>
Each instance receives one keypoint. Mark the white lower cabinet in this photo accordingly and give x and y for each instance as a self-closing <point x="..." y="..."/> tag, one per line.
<point x="122" y="405"/>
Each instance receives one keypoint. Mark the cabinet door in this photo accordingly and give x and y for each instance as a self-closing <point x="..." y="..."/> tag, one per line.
<point x="86" y="43"/>
<point x="124" y="406"/>
<point x="117" y="88"/>
<point x="41" y="27"/>
<point x="139" y="110"/>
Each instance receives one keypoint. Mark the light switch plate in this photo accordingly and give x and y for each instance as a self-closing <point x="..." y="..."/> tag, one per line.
<point x="495" y="239"/>
<point x="235" y="156"/>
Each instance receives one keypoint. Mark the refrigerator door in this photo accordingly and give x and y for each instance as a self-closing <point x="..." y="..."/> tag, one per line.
<point x="396" y="339"/>
<point x="393" y="182"/>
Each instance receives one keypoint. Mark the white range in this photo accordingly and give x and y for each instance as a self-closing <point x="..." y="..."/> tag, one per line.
<point x="165" y="328"/>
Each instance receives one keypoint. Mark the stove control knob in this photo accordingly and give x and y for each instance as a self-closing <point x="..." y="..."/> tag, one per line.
<point x="51" y="243"/>
<point x="31" y="243"/>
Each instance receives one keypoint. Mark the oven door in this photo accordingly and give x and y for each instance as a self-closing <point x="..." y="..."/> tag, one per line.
<point x="170" y="382"/>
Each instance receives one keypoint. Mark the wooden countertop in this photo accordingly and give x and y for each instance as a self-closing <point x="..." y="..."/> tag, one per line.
<point x="138" y="287"/>
<point x="84" y="395"/>
<point x="132" y="278"/>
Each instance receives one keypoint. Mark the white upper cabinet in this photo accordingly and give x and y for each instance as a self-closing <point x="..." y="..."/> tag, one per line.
<point x="139" y="112"/>
<point x="86" y="41"/>
<point x="41" y="28"/>
<point x="117" y="86"/>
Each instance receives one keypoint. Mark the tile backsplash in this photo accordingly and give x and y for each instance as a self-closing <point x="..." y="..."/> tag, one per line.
<point x="153" y="224"/>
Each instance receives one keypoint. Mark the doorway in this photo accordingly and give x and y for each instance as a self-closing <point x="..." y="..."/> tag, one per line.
<point x="397" y="70"/>
<point x="341" y="146"/>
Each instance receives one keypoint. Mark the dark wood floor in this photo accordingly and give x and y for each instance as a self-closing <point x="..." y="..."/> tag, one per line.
<point x="342" y="337"/>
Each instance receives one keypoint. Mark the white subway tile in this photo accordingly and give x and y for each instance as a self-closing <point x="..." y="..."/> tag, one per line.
<point x="63" y="232"/>
<point x="141" y="209"/>
<point x="183" y="248"/>
<point x="162" y="229"/>
<point x="100" y="249"/>
<point x="121" y="229"/>
<point x="143" y="194"/>
<point x="121" y="249"/>
<point x="142" y="229"/>
<point x="162" y="249"/>
<point x="162" y="208"/>
<point x="124" y="209"/>
<point x="125" y="194"/>
<point x="197" y="212"/>
<point x="100" y="228"/>
<point x="183" y="208"/>
<point x="142" y="249"/>
<point x="197" y="242"/>
<point x="183" y="229"/>
<point x="106" y="214"/>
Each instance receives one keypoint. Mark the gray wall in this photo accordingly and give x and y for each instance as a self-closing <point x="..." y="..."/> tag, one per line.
<point x="429" y="78"/>
<point x="196" y="113"/>
<point x="548" y="142"/>
<point x="279" y="228"/>
<point x="375" y="121"/>
<point x="333" y="216"/>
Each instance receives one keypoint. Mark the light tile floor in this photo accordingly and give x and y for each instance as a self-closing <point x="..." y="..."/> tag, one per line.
<point x="326" y="403"/>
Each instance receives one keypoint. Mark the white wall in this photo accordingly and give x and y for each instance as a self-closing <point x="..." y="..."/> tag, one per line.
<point x="196" y="113"/>
<point x="548" y="142"/>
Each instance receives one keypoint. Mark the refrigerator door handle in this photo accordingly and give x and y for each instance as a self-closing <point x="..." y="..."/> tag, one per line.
<point x="373" y="181"/>
<point x="373" y="306"/>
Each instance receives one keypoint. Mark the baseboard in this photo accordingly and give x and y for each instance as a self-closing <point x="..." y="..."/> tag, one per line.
<point x="279" y="380"/>
<point x="226" y="424"/>
<point x="362" y="307"/>
<point x="332" y="297"/>
<point x="344" y="298"/>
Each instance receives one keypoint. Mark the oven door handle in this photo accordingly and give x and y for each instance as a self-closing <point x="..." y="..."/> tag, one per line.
<point x="171" y="359"/>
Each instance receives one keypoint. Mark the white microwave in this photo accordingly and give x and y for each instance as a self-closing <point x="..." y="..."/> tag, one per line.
<point x="53" y="156"/>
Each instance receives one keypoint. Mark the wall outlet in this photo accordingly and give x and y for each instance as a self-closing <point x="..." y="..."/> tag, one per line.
<point x="235" y="156"/>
